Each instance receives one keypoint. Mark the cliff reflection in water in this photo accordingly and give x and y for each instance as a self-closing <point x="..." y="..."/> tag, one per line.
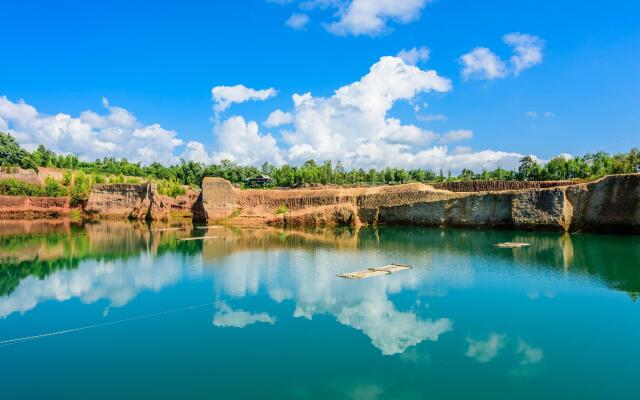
<point x="115" y="261"/>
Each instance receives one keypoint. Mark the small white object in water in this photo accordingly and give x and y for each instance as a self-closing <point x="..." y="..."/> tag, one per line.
<point x="511" y="245"/>
<point x="199" y="238"/>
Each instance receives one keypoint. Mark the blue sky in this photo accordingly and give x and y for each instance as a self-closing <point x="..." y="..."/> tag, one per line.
<point x="157" y="64"/>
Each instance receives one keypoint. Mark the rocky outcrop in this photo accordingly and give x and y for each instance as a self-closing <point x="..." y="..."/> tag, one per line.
<point x="23" y="207"/>
<point x="181" y="206"/>
<point x="217" y="200"/>
<point x="609" y="204"/>
<point x="126" y="201"/>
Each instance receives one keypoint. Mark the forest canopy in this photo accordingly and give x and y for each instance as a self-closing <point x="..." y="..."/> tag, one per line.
<point x="589" y="166"/>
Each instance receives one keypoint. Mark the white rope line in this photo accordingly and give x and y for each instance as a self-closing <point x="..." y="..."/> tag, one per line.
<point x="9" y="342"/>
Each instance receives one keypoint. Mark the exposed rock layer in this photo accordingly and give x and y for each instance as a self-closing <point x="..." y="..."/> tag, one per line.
<point x="126" y="201"/>
<point x="609" y="204"/>
<point x="23" y="207"/>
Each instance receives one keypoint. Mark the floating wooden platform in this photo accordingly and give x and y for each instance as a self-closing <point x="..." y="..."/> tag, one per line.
<point x="167" y="229"/>
<point x="369" y="272"/>
<point x="199" y="238"/>
<point x="209" y="227"/>
<point x="511" y="245"/>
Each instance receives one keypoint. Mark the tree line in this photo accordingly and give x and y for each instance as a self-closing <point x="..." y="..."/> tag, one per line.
<point x="589" y="166"/>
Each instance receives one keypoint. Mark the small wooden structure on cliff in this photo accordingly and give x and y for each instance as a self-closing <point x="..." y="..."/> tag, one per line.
<point x="259" y="181"/>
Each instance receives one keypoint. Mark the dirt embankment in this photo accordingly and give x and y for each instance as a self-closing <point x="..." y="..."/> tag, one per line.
<point x="492" y="186"/>
<point x="609" y="204"/>
<point x="23" y="207"/>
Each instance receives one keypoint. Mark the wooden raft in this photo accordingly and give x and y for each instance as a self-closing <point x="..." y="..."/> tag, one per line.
<point x="199" y="238"/>
<point x="369" y="272"/>
<point x="511" y="245"/>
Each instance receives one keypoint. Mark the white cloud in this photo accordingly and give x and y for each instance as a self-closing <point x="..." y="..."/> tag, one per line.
<point x="353" y="126"/>
<point x="117" y="133"/>
<point x="225" y="96"/>
<point x="487" y="350"/>
<point x="527" y="49"/>
<point x="456" y="136"/>
<point x="414" y="55"/>
<point x="482" y="63"/>
<point x="432" y="117"/>
<point x="242" y="142"/>
<point x="95" y="280"/>
<point x="370" y="17"/>
<point x="277" y="118"/>
<point x="195" y="151"/>
<point x="226" y="317"/>
<point x="297" y="21"/>
<point x="535" y="114"/>
<point x="390" y="330"/>
<point x="528" y="353"/>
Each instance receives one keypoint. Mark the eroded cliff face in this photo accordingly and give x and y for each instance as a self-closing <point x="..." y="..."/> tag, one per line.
<point x="609" y="204"/>
<point x="24" y="207"/>
<point x="126" y="201"/>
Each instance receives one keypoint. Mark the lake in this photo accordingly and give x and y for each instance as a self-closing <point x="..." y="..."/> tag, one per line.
<point x="127" y="310"/>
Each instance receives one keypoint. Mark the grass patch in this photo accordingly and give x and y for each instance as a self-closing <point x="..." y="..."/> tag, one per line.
<point x="75" y="215"/>
<point x="281" y="209"/>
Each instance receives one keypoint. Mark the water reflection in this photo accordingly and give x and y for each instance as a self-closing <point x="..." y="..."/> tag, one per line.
<point x="115" y="261"/>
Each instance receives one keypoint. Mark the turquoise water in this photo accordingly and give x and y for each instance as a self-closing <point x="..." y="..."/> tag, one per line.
<point x="128" y="311"/>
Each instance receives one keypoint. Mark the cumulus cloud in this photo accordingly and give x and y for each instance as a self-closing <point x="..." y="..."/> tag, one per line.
<point x="242" y="142"/>
<point x="359" y="17"/>
<point x="277" y="118"/>
<point x="354" y="126"/>
<point x="390" y="330"/>
<point x="117" y="133"/>
<point x="484" y="351"/>
<point x="297" y="21"/>
<point x="414" y="55"/>
<point x="527" y="50"/>
<point x="370" y="17"/>
<point x="225" y="96"/>
<point x="195" y="151"/>
<point x="456" y="136"/>
<point x="482" y="63"/>
<point x="226" y="317"/>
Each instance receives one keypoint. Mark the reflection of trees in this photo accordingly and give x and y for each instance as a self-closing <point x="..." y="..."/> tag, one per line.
<point x="40" y="248"/>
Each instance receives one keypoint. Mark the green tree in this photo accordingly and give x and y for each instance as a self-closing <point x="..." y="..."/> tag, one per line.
<point x="13" y="155"/>
<point x="528" y="169"/>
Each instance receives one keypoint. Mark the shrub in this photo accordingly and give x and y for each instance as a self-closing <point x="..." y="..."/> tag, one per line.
<point x="171" y="188"/>
<point x="53" y="188"/>
<point x="99" y="179"/>
<point x="282" y="209"/>
<point x="67" y="178"/>
<point x="81" y="188"/>
<point x="14" y="187"/>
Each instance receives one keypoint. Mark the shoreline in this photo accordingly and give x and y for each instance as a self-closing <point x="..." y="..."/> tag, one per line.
<point x="609" y="204"/>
